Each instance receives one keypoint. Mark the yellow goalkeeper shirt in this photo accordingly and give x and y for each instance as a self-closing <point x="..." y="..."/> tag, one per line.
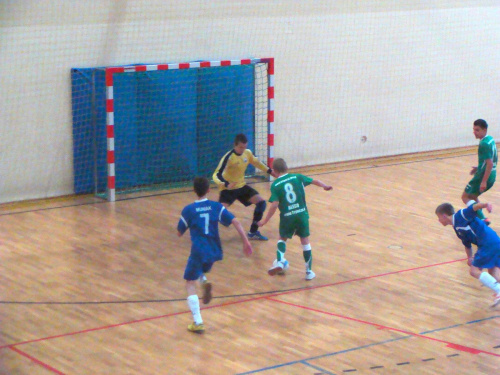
<point x="232" y="168"/>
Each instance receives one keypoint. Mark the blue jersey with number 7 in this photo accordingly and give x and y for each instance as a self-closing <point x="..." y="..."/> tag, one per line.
<point x="202" y="218"/>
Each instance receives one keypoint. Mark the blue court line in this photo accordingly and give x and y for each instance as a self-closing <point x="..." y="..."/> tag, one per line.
<point x="482" y="320"/>
<point x="323" y="371"/>
<point x="324" y="355"/>
<point x="462" y="324"/>
<point x="303" y="361"/>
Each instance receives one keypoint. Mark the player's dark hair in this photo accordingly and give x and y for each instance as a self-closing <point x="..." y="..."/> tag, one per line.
<point x="445" y="208"/>
<point x="481" y="123"/>
<point x="240" y="138"/>
<point x="201" y="186"/>
<point x="279" y="165"/>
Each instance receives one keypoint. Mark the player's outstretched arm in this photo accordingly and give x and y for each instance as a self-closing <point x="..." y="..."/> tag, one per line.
<point x="479" y="206"/>
<point x="270" y="213"/>
<point x="322" y="184"/>
<point x="247" y="248"/>
<point x="258" y="164"/>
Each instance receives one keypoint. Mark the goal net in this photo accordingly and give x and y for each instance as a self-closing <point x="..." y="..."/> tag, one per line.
<point x="140" y="128"/>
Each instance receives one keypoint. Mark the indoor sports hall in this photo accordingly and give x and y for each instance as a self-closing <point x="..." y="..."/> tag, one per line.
<point x="109" y="110"/>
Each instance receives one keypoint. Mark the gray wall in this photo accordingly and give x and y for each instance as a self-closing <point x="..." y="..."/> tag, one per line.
<point x="407" y="75"/>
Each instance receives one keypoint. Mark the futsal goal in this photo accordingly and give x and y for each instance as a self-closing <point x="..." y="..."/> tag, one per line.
<point x="145" y="127"/>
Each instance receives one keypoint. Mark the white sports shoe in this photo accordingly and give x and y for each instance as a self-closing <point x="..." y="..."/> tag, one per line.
<point x="276" y="268"/>
<point x="310" y="275"/>
<point x="286" y="266"/>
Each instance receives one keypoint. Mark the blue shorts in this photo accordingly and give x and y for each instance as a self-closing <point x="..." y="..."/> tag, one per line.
<point x="195" y="268"/>
<point x="487" y="257"/>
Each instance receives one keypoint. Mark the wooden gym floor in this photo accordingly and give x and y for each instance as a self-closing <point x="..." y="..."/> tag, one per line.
<point x="90" y="287"/>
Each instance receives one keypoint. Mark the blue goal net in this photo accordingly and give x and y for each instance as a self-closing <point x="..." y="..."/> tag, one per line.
<point x="169" y="125"/>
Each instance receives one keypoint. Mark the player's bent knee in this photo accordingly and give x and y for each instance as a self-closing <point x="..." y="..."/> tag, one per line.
<point x="465" y="197"/>
<point x="256" y="199"/>
<point x="475" y="272"/>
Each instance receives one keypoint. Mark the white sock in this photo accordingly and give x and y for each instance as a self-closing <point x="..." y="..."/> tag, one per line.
<point x="471" y="202"/>
<point x="307" y="248"/>
<point x="194" y="306"/>
<point x="489" y="281"/>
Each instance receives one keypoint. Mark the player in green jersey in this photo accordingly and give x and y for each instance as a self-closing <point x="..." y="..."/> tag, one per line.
<point x="287" y="193"/>
<point x="486" y="171"/>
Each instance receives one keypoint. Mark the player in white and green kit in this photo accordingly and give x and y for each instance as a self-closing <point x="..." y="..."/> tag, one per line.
<point x="486" y="171"/>
<point x="287" y="193"/>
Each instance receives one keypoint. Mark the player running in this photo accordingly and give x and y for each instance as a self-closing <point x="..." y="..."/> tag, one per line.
<point x="486" y="171"/>
<point x="471" y="230"/>
<point x="287" y="193"/>
<point x="202" y="218"/>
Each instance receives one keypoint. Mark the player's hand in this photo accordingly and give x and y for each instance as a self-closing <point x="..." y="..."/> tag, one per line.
<point x="489" y="207"/>
<point x="328" y="188"/>
<point x="247" y="249"/>
<point x="232" y="185"/>
<point x="261" y="223"/>
<point x="473" y="170"/>
<point x="469" y="261"/>
<point x="482" y="187"/>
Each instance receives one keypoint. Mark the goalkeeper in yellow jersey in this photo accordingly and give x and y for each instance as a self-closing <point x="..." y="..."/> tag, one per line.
<point x="230" y="177"/>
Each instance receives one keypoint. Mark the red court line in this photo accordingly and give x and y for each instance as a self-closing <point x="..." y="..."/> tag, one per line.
<point x="225" y="304"/>
<point x="38" y="362"/>
<point x="369" y="277"/>
<point x="381" y="326"/>
<point x="11" y="346"/>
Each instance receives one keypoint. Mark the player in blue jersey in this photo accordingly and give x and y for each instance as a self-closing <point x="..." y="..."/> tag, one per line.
<point x="202" y="219"/>
<point x="472" y="230"/>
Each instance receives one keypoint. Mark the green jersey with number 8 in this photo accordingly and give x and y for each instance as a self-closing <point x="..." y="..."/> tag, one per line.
<point x="288" y="190"/>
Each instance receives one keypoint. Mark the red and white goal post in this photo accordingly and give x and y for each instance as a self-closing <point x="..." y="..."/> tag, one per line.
<point x="263" y="123"/>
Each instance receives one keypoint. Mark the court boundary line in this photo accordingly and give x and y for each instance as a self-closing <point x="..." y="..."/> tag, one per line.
<point x="37" y="361"/>
<point x="291" y="363"/>
<point x="449" y="344"/>
<point x="323" y="371"/>
<point x="222" y="304"/>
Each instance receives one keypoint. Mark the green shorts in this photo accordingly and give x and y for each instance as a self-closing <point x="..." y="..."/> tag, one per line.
<point x="474" y="184"/>
<point x="296" y="224"/>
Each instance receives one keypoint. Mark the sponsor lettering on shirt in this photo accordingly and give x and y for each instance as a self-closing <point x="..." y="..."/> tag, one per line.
<point x="201" y="209"/>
